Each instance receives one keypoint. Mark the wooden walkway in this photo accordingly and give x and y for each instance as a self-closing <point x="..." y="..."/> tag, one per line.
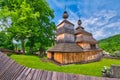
<point x="11" y="70"/>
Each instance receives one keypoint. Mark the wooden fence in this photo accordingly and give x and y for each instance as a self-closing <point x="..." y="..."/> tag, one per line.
<point x="11" y="70"/>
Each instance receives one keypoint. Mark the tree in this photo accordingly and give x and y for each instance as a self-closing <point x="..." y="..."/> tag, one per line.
<point x="5" y="41"/>
<point x="31" y="20"/>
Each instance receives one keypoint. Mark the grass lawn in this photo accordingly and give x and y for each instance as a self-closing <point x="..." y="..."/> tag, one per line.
<point x="91" y="69"/>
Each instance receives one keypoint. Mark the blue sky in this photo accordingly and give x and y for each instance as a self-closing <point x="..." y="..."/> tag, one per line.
<point x="100" y="17"/>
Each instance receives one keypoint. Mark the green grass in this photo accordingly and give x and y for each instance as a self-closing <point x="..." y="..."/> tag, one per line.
<point x="91" y="69"/>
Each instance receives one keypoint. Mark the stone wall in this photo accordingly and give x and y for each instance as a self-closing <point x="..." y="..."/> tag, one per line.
<point x="115" y="71"/>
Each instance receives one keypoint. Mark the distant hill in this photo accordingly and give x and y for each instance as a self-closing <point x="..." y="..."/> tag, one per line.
<point x="110" y="44"/>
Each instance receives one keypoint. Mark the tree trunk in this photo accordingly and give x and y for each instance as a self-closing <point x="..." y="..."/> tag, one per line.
<point x="31" y="45"/>
<point x="16" y="46"/>
<point x="23" y="47"/>
<point x="31" y="49"/>
<point x="42" y="51"/>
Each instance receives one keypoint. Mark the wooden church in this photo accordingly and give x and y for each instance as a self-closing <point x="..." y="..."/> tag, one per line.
<point x="73" y="45"/>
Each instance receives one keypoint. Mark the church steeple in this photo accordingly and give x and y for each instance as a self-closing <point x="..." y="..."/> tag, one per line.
<point x="65" y="30"/>
<point x="65" y="14"/>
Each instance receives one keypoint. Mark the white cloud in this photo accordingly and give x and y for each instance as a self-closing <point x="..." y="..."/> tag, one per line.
<point x="98" y="24"/>
<point x="99" y="33"/>
<point x="113" y="25"/>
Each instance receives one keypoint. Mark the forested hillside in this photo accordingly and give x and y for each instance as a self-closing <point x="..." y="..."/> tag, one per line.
<point x="110" y="44"/>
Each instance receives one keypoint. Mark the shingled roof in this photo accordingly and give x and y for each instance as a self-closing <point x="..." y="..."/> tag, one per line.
<point x="66" y="47"/>
<point x="86" y="39"/>
<point x="80" y="30"/>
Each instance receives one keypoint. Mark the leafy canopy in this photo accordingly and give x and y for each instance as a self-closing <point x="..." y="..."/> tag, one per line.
<point x="29" y="19"/>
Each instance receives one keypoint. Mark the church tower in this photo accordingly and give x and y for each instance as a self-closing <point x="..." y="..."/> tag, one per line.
<point x="66" y="50"/>
<point x="65" y="30"/>
<point x="85" y="39"/>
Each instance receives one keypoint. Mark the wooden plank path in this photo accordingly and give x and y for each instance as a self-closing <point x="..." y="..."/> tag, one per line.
<point x="11" y="70"/>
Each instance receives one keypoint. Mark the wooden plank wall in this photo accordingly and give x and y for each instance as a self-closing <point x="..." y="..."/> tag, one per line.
<point x="49" y="55"/>
<point x="10" y="70"/>
<point x="71" y="57"/>
<point x="66" y="58"/>
<point x="58" y="57"/>
<point x="79" y="57"/>
<point x="90" y="55"/>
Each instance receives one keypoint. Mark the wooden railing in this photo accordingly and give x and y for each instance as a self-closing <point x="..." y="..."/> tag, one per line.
<point x="10" y="70"/>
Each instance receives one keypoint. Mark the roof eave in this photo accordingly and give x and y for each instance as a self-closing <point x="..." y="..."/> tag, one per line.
<point x="65" y="21"/>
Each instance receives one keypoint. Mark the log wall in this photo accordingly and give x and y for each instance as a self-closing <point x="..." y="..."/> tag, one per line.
<point x="78" y="57"/>
<point x="91" y="55"/>
<point x="72" y="58"/>
<point x="84" y="45"/>
<point x="69" y="37"/>
<point x="49" y="55"/>
<point x="58" y="57"/>
<point x="65" y="37"/>
<point x="83" y="57"/>
<point x="60" y="37"/>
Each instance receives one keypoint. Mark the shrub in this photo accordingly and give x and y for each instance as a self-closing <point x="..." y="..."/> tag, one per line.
<point x="117" y="53"/>
<point x="106" y="71"/>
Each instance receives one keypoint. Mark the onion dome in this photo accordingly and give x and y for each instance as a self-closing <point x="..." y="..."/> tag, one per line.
<point x="79" y="22"/>
<point x="65" y="15"/>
